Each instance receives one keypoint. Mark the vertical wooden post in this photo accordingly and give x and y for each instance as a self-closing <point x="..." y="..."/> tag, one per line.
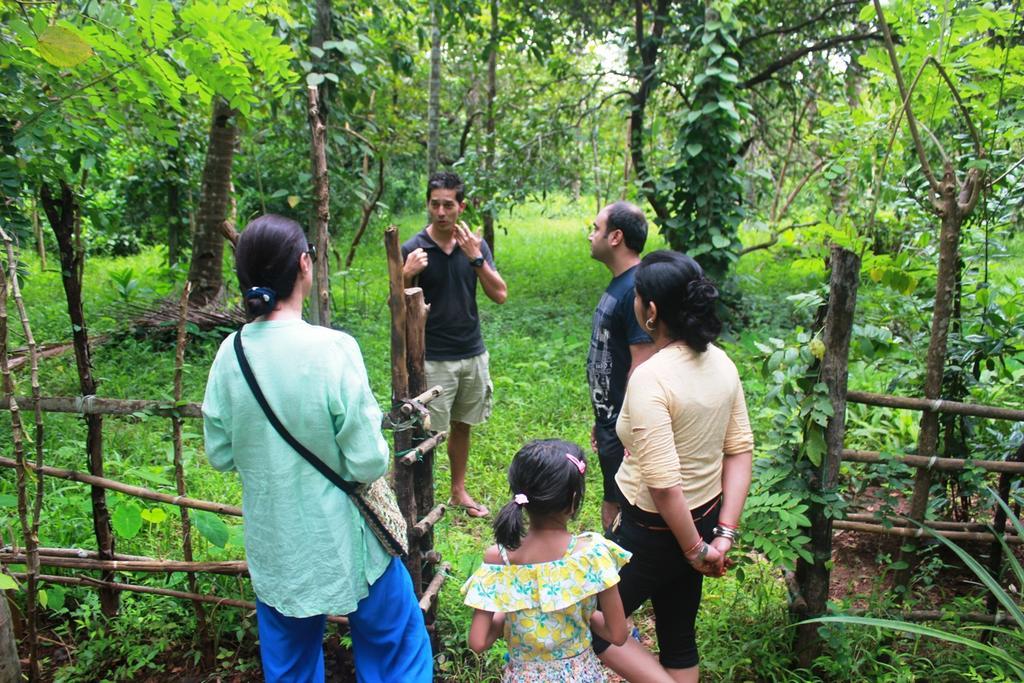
<point x="10" y="665"/>
<point x="813" y="577"/>
<point x="62" y="214"/>
<point x="935" y="360"/>
<point x="206" y="642"/>
<point x="416" y="310"/>
<point x="321" y="312"/>
<point x="402" y="475"/>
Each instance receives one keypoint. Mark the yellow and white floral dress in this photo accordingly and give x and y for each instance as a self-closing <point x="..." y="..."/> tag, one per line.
<point x="547" y="608"/>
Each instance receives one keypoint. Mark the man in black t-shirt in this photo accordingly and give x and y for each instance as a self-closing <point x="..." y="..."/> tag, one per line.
<point x="447" y="260"/>
<point x="617" y="342"/>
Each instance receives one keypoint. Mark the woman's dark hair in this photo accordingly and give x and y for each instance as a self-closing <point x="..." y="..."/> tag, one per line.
<point x="547" y="473"/>
<point x="684" y="297"/>
<point x="267" y="257"/>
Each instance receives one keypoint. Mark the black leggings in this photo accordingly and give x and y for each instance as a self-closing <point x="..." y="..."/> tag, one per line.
<point x="660" y="572"/>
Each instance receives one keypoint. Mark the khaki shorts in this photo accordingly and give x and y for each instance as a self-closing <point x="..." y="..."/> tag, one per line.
<point x="467" y="391"/>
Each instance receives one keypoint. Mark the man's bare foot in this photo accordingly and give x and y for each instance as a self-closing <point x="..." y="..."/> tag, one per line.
<point x="472" y="508"/>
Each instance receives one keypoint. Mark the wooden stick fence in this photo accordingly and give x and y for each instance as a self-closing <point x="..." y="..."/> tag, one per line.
<point x="414" y="477"/>
<point x="808" y="586"/>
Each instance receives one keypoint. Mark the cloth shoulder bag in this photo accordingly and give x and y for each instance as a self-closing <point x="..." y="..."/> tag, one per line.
<point x="375" y="501"/>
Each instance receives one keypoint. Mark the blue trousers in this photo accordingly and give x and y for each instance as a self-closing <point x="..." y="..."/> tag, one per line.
<point x="389" y="638"/>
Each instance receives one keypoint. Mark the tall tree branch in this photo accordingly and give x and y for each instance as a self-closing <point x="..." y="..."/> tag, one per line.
<point x="783" y="62"/>
<point x="782" y="30"/>
<point x="890" y="48"/>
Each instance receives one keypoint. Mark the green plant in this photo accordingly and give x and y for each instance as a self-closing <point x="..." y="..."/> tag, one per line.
<point x="1010" y="657"/>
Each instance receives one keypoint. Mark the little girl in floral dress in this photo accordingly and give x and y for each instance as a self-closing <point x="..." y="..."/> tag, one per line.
<point x="542" y="588"/>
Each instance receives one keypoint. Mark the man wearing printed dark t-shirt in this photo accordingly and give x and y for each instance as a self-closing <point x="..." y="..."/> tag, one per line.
<point x="447" y="260"/>
<point x="617" y="342"/>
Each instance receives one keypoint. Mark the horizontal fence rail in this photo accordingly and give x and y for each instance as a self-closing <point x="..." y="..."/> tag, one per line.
<point x="95" y="405"/>
<point x="128" y="489"/>
<point x="934" y="462"/>
<point x="937" y="406"/>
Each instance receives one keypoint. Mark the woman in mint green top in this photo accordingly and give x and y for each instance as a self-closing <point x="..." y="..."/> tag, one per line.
<point x="309" y="550"/>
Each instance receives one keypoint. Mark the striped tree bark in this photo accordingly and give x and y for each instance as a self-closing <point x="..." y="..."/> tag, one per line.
<point x="206" y="271"/>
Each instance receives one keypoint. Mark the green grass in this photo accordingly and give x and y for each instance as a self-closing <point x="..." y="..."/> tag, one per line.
<point x="538" y="343"/>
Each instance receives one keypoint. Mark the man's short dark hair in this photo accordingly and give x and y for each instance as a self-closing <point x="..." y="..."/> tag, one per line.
<point x="631" y="221"/>
<point x="446" y="180"/>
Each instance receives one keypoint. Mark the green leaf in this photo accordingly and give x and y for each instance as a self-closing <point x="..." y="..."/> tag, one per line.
<point x="720" y="241"/>
<point x="62" y="48"/>
<point x="55" y="595"/>
<point x="154" y="515"/>
<point x="694" y="148"/>
<point x="357" y="68"/>
<point x="212" y="528"/>
<point x="8" y="501"/>
<point x="42" y="597"/>
<point x="314" y="79"/>
<point x="127" y="520"/>
<point x="7" y="583"/>
<point x="814" y="444"/>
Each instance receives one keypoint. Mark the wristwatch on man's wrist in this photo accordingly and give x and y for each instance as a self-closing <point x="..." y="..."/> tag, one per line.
<point x="477" y="262"/>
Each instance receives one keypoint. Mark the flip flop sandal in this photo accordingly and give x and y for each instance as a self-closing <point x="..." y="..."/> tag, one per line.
<point x="476" y="511"/>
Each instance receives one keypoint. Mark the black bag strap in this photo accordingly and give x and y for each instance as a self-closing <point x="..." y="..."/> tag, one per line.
<point x="376" y="525"/>
<point x="310" y="457"/>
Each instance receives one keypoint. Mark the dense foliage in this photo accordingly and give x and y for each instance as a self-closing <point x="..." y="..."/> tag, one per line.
<point x="756" y="135"/>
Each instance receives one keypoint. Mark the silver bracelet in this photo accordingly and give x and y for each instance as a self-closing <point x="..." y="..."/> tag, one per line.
<point x="726" y="532"/>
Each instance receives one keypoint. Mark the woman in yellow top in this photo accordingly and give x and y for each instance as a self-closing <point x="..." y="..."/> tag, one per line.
<point x="687" y="470"/>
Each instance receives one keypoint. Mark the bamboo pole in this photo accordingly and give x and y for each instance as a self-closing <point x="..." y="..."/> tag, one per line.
<point x="422" y="451"/>
<point x="426" y="524"/>
<point x="813" y="576"/>
<point x="935" y="406"/>
<point x="401" y="476"/>
<point x="918" y="532"/>
<point x="7" y="281"/>
<point x="934" y="462"/>
<point x="232" y="567"/>
<point x="90" y="582"/>
<point x="205" y="639"/>
<point x="94" y="405"/>
<point x="321" y="194"/>
<point x="32" y="541"/>
<point x="430" y="594"/>
<point x="76" y="552"/>
<point x="930" y="523"/>
<point x="136" y="491"/>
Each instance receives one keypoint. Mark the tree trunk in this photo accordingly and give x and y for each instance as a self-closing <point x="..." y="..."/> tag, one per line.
<point x="434" y="99"/>
<point x="322" y="31"/>
<point x="492" y="91"/>
<point x="647" y="48"/>
<point x="813" y="577"/>
<point x="206" y="270"/>
<point x="321" y="305"/>
<point x="935" y="359"/>
<point x="10" y="666"/>
<point x="62" y="215"/>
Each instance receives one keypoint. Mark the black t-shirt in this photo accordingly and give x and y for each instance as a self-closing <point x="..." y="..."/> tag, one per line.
<point x="614" y="329"/>
<point x="449" y="286"/>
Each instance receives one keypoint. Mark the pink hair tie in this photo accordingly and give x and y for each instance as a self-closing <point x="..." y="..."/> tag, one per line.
<point x="521" y="499"/>
<point x="580" y="465"/>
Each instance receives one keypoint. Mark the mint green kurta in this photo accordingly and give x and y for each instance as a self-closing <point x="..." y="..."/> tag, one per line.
<point x="308" y="549"/>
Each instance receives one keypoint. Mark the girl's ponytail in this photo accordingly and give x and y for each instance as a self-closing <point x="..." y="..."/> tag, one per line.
<point x="509" y="527"/>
